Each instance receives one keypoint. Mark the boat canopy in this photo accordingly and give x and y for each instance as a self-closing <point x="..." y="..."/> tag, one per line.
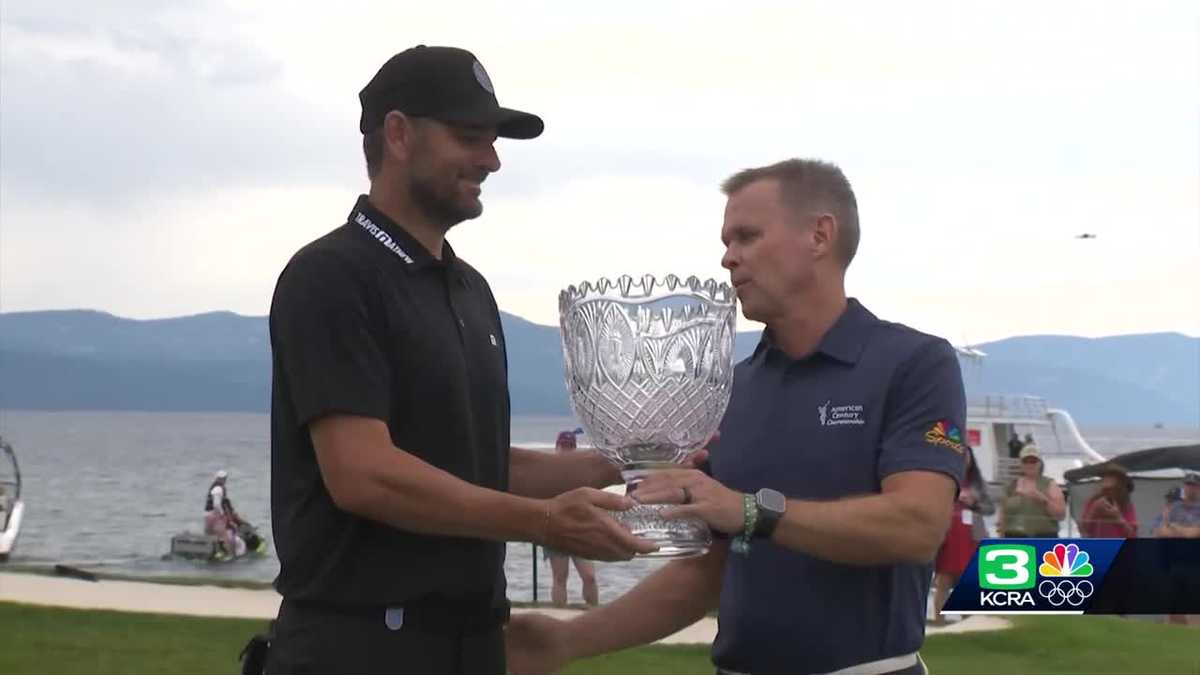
<point x="1184" y="457"/>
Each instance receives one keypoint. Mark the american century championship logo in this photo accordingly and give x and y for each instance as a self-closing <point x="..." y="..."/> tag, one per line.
<point x="945" y="434"/>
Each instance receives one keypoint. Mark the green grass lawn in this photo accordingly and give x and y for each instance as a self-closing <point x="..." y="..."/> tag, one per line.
<point x="55" y="641"/>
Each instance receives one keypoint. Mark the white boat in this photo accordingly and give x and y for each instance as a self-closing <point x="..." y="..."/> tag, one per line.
<point x="993" y="419"/>
<point x="12" y="509"/>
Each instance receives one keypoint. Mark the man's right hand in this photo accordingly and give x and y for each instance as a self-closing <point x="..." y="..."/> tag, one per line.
<point x="579" y="523"/>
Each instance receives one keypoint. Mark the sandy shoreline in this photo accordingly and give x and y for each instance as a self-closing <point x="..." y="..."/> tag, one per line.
<point x="140" y="596"/>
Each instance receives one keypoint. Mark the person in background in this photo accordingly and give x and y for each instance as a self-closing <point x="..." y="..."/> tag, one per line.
<point x="1110" y="512"/>
<point x="1169" y="499"/>
<point x="219" y="519"/>
<point x="1014" y="446"/>
<point x="559" y="561"/>
<point x="967" y="529"/>
<point x="1181" y="520"/>
<point x="1033" y="504"/>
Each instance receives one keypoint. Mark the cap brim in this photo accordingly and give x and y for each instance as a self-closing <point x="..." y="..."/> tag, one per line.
<point x="507" y="122"/>
<point x="520" y="125"/>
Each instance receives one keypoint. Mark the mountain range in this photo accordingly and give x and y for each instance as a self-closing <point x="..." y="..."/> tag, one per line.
<point x="220" y="361"/>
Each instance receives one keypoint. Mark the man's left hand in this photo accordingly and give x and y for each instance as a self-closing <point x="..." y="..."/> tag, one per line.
<point x="696" y="495"/>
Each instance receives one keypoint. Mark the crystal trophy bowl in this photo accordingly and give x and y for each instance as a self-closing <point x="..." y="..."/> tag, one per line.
<point x="649" y="369"/>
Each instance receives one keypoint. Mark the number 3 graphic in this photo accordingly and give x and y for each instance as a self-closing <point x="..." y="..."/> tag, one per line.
<point x="1014" y="561"/>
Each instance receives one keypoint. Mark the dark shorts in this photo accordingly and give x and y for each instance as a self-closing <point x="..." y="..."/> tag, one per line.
<point x="316" y="641"/>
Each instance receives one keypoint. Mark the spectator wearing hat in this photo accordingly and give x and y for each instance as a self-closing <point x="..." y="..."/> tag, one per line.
<point x="1170" y="497"/>
<point x="393" y="484"/>
<point x="1181" y="520"/>
<point x="1033" y="504"/>
<point x="560" y="562"/>
<point x="1110" y="512"/>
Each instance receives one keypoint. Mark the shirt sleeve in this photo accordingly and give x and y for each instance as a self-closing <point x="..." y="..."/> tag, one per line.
<point x="925" y="416"/>
<point x="330" y="359"/>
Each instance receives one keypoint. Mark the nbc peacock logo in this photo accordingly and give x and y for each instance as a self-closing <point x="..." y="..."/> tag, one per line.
<point x="945" y="434"/>
<point x="1063" y="570"/>
<point x="1065" y="561"/>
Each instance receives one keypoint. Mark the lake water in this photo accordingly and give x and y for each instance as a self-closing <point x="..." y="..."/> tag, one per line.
<point x="106" y="490"/>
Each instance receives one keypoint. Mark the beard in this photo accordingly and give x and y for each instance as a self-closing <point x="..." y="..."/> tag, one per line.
<point x="441" y="206"/>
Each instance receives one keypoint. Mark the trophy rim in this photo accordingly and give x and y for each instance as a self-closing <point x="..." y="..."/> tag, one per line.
<point x="649" y="288"/>
<point x="720" y="299"/>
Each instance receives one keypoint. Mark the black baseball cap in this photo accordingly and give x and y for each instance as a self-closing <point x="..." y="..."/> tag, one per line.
<point x="445" y="83"/>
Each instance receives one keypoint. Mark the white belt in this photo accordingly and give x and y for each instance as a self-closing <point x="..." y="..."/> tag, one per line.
<point x="888" y="665"/>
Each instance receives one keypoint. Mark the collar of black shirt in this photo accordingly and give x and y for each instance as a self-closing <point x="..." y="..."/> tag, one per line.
<point x="420" y="256"/>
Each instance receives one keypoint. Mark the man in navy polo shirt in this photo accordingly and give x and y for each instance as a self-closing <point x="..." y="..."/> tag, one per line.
<point x="837" y="466"/>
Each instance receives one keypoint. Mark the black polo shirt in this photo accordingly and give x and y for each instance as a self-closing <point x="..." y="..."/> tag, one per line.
<point x="875" y="398"/>
<point x="366" y="322"/>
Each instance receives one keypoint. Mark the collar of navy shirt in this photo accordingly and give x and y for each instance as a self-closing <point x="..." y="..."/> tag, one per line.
<point x="844" y="341"/>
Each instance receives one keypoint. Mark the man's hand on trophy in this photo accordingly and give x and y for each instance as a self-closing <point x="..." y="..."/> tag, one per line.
<point x="699" y="458"/>
<point x="697" y="496"/>
<point x="536" y="644"/>
<point x="578" y="522"/>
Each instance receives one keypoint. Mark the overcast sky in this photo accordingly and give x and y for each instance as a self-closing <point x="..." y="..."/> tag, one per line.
<point x="161" y="159"/>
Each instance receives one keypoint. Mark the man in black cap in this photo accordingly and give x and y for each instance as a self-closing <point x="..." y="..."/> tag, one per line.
<point x="393" y="484"/>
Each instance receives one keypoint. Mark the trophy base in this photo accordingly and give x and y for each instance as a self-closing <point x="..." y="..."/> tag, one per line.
<point x="676" y="538"/>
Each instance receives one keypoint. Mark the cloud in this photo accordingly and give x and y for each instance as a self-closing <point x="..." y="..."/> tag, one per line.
<point x="166" y="158"/>
<point x="105" y="108"/>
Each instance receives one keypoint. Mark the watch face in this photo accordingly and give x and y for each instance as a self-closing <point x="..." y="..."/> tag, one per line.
<point x="772" y="500"/>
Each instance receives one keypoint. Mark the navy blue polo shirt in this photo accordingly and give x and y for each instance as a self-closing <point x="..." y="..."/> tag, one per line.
<point x="875" y="398"/>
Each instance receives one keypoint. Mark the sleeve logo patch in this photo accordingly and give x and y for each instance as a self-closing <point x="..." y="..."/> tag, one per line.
<point x="945" y="434"/>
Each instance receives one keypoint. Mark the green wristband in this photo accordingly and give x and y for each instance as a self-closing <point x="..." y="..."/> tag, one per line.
<point x="741" y="543"/>
<point x="750" y="509"/>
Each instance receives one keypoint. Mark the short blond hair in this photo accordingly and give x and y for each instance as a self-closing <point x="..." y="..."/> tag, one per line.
<point x="805" y="183"/>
